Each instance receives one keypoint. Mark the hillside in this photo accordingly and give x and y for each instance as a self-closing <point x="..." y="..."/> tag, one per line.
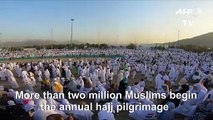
<point x="34" y="43"/>
<point x="201" y="40"/>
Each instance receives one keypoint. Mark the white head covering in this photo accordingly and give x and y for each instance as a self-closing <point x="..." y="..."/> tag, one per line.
<point x="65" y="102"/>
<point x="98" y="83"/>
<point x="30" y="105"/>
<point x="183" y="81"/>
<point x="11" y="103"/>
<point x="51" y="101"/>
<point x="27" y="91"/>
<point x="40" y="102"/>
<point x="141" y="89"/>
<point x="115" y="100"/>
<point x="197" y="85"/>
<point x="1" y="87"/>
<point x="171" y="106"/>
<point x="135" y="90"/>
<point x="11" y="90"/>
<point x="128" y="88"/>
<point x="35" y="68"/>
<point x="104" y="115"/>
<point x="55" y="83"/>
<point x="55" y="79"/>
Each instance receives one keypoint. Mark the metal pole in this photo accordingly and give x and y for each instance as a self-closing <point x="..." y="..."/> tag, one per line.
<point x="98" y="39"/>
<point x="71" y="35"/>
<point x="178" y="37"/>
<point x="135" y="46"/>
<point x="52" y="40"/>
<point x="0" y="40"/>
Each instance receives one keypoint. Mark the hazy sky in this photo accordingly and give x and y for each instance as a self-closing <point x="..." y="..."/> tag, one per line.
<point x="115" y="21"/>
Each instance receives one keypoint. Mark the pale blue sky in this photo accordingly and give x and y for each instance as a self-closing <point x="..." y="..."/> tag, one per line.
<point x="116" y="21"/>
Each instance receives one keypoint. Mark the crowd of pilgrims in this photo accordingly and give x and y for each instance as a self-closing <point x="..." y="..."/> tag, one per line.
<point x="158" y="71"/>
<point x="59" y="52"/>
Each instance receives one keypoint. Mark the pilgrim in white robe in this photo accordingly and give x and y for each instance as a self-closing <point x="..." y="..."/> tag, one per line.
<point x="27" y="81"/>
<point x="169" y="114"/>
<point x="105" y="115"/>
<point x="159" y="81"/>
<point x="47" y="74"/>
<point x="120" y="77"/>
<point x="11" y="79"/>
<point x="43" y="114"/>
<point x="187" y="108"/>
<point x="143" y="114"/>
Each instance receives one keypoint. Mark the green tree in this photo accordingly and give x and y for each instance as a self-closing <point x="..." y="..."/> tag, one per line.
<point x="103" y="46"/>
<point x="131" y="46"/>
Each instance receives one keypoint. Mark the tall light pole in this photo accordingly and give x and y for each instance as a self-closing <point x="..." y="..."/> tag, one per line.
<point x="99" y="39"/>
<point x="178" y="37"/>
<point x="71" y="34"/>
<point x="52" y="38"/>
<point x="0" y="39"/>
<point x="135" y="46"/>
